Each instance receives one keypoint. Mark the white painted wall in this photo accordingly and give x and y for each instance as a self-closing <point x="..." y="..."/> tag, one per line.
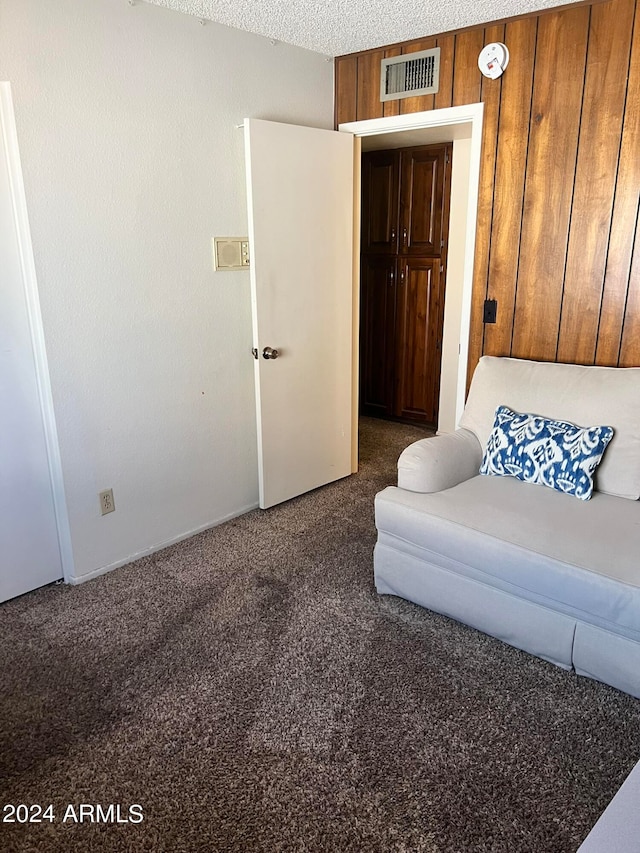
<point x="131" y="161"/>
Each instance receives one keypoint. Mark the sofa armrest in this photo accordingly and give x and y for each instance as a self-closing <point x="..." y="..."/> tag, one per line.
<point x="434" y="464"/>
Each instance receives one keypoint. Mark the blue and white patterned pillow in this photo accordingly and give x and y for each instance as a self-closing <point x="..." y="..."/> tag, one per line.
<point x="539" y="450"/>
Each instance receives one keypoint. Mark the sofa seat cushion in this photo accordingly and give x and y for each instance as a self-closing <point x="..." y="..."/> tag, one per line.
<point x="580" y="558"/>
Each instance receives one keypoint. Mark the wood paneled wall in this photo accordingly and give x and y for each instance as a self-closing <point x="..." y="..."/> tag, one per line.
<point x="558" y="234"/>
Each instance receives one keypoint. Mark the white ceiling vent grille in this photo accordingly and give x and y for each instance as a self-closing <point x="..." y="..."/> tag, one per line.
<point x="410" y="75"/>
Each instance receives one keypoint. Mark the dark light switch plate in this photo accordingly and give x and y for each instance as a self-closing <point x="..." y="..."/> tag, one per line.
<point x="490" y="311"/>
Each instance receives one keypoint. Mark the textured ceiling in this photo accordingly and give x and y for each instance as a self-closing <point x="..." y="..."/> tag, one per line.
<point x="336" y="27"/>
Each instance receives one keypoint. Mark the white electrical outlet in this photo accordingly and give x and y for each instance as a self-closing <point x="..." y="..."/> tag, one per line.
<point x="106" y="501"/>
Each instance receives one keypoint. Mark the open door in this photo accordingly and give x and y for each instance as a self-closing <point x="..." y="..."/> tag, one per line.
<point x="30" y="553"/>
<point x="300" y="206"/>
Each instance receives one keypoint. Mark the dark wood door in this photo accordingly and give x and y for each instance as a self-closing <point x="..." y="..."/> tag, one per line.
<point x="377" y="334"/>
<point x="423" y="179"/>
<point x="380" y="201"/>
<point x="419" y="339"/>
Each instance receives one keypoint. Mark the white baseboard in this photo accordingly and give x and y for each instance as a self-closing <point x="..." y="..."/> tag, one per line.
<point x="75" y="581"/>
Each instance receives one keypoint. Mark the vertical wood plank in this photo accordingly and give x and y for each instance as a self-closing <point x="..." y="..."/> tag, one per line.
<point x="391" y="108"/>
<point x="466" y="74"/>
<point x="490" y="93"/>
<point x="346" y="84"/>
<point x="422" y="102"/>
<point x="557" y="102"/>
<point x="625" y="213"/>
<point x="369" y="104"/>
<point x="511" y="161"/>
<point x="594" y="188"/>
<point x="630" y="349"/>
<point x="444" y="95"/>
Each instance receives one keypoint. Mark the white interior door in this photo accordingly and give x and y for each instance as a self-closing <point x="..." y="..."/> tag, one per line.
<point x="300" y="200"/>
<point x="29" y="549"/>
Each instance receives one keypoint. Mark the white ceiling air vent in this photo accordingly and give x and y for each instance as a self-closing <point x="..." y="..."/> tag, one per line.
<point x="410" y="75"/>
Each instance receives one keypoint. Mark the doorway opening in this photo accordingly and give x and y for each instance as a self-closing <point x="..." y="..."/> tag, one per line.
<point x="404" y="242"/>
<point x="462" y="127"/>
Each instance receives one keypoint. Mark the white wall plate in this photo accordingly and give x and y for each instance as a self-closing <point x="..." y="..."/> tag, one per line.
<point x="230" y="253"/>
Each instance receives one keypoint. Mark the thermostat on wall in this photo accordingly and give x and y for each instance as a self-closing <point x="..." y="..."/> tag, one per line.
<point x="493" y="59"/>
<point x="230" y="253"/>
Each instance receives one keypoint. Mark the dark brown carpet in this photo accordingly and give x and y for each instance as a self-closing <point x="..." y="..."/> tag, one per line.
<point x="251" y="692"/>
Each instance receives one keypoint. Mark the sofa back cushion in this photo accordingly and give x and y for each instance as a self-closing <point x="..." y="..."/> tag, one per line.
<point x="583" y="395"/>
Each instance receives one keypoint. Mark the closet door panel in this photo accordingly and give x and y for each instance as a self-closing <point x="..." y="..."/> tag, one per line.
<point x="380" y="201"/>
<point x="419" y="344"/>
<point x="421" y="200"/>
<point x="377" y="334"/>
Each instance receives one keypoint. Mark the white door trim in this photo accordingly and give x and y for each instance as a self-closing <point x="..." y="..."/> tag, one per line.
<point x="470" y="114"/>
<point x="19" y="204"/>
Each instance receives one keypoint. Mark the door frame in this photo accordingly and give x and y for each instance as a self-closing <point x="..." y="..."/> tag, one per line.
<point x="452" y="123"/>
<point x="30" y="283"/>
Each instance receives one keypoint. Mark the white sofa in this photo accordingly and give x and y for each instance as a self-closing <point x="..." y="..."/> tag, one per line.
<point x="553" y="575"/>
